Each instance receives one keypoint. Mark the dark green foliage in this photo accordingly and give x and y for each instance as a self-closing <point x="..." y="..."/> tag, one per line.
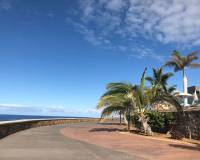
<point x="135" y="120"/>
<point x="159" y="121"/>
<point x="169" y="120"/>
<point x="159" y="80"/>
<point x="156" y="121"/>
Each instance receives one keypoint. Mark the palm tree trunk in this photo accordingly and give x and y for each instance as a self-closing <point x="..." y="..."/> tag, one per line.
<point x="185" y="87"/>
<point x="120" y="118"/>
<point x="125" y="119"/>
<point x="145" y="126"/>
<point x="129" y="120"/>
<point x="129" y="126"/>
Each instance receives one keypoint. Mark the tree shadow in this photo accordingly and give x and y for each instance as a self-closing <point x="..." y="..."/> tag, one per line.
<point x="105" y="129"/>
<point x="194" y="148"/>
<point x="111" y="123"/>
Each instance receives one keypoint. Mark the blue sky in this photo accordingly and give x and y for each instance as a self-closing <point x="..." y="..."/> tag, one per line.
<point x="57" y="56"/>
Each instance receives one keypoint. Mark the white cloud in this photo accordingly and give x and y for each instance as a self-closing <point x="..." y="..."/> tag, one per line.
<point x="166" y="22"/>
<point x="172" y="21"/>
<point x="87" y="6"/>
<point x="58" y="110"/>
<point x="51" y="15"/>
<point x="142" y="52"/>
<point x="20" y="109"/>
<point x="115" y="5"/>
<point x="5" y="4"/>
<point x="10" y="106"/>
<point x="47" y="110"/>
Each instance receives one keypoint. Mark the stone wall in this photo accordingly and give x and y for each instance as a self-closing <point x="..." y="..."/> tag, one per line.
<point x="187" y="124"/>
<point x="15" y="126"/>
<point x="193" y="121"/>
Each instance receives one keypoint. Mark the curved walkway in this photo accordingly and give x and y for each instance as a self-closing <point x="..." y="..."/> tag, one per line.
<point x="151" y="148"/>
<point x="46" y="143"/>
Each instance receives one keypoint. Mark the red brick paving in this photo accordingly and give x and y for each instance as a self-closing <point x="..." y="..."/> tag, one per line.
<point x="108" y="136"/>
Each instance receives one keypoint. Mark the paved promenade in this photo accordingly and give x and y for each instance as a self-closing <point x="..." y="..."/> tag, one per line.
<point x="46" y="143"/>
<point x="87" y="141"/>
<point x="151" y="148"/>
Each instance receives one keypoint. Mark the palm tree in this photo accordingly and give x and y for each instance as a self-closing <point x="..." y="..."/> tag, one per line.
<point x="180" y="63"/>
<point x="118" y="99"/>
<point x="128" y="99"/>
<point x="159" y="80"/>
<point x="142" y="100"/>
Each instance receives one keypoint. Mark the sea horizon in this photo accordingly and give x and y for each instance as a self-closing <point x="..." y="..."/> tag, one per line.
<point x="12" y="117"/>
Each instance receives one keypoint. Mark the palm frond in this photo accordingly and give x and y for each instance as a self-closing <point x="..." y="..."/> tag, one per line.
<point x="150" y="79"/>
<point x="193" y="56"/>
<point x="173" y="64"/>
<point x="113" y="92"/>
<point x="116" y="85"/>
<point x="165" y="77"/>
<point x="142" y="81"/>
<point x="176" y="61"/>
<point x="111" y="110"/>
<point x="119" y="87"/>
<point x="110" y="100"/>
<point x="159" y="79"/>
<point x="179" y="62"/>
<point x="155" y="75"/>
<point x="171" y="89"/>
<point x="194" y="65"/>
<point x="177" y="54"/>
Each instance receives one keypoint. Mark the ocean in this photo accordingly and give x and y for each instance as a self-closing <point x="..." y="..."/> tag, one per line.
<point x="7" y="117"/>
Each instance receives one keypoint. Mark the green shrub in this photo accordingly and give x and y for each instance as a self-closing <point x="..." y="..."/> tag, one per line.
<point x="169" y="120"/>
<point x="156" y="121"/>
<point x="159" y="121"/>
<point x="135" y="120"/>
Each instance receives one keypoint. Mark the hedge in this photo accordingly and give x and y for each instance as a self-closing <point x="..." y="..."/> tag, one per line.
<point x="160" y="122"/>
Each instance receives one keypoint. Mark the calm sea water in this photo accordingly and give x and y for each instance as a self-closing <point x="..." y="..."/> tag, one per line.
<point x="5" y="117"/>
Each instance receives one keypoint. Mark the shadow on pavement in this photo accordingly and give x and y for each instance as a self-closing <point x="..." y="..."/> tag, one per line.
<point x="196" y="148"/>
<point x="105" y="130"/>
<point x="110" y="123"/>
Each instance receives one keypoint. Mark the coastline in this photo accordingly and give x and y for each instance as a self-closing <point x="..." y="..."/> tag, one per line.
<point x="13" y="117"/>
